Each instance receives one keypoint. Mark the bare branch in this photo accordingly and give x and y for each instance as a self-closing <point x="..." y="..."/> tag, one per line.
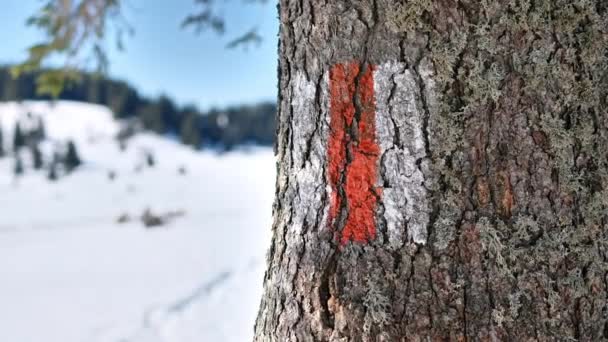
<point x="251" y="37"/>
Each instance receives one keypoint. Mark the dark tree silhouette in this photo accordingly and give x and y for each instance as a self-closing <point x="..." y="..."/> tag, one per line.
<point x="72" y="158"/>
<point x="36" y="155"/>
<point x="18" y="165"/>
<point x="150" y="159"/>
<point x="52" y="172"/>
<point x="190" y="132"/>
<point x="18" y="138"/>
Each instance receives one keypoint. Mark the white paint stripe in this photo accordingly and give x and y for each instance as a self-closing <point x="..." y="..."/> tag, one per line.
<point x="399" y="118"/>
<point x="308" y="173"/>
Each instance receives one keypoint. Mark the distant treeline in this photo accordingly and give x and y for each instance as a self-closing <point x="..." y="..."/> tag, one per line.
<point x="223" y="128"/>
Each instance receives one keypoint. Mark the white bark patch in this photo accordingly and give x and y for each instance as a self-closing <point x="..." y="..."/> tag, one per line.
<point x="304" y="115"/>
<point x="399" y="126"/>
<point x="309" y="151"/>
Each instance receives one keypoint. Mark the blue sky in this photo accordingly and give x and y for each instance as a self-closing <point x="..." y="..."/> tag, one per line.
<point x="162" y="58"/>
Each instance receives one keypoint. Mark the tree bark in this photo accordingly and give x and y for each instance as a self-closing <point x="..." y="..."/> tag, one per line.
<point x="442" y="172"/>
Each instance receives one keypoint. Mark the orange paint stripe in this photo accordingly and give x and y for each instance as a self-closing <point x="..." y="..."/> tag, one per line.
<point x="358" y="175"/>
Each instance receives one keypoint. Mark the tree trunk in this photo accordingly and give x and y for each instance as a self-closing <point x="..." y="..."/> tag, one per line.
<point x="442" y="172"/>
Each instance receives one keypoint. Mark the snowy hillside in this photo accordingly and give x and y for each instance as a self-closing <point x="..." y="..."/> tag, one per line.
<point x="77" y="263"/>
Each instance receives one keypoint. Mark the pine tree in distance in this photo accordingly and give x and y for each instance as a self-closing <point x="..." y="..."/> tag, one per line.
<point x="150" y="160"/>
<point x="18" y="168"/>
<point x="72" y="159"/>
<point x="18" y="138"/>
<point x="52" y="175"/>
<point x="36" y="155"/>
<point x="53" y="172"/>
<point x="190" y="130"/>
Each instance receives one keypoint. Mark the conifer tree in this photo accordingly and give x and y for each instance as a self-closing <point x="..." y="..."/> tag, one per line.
<point x="36" y="155"/>
<point x="72" y="158"/>
<point x="190" y="132"/>
<point x="151" y="117"/>
<point x="150" y="160"/>
<point x="52" y="174"/>
<point x="18" y="168"/>
<point x="18" y="138"/>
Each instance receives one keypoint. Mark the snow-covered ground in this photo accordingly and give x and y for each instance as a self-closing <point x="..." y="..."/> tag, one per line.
<point x="70" y="273"/>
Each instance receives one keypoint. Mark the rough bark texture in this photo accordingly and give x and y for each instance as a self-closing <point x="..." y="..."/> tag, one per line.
<point x="492" y="172"/>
